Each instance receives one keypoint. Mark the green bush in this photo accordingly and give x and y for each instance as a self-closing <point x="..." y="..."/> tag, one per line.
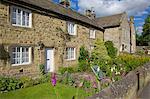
<point x="83" y="66"/>
<point x="99" y="53"/>
<point x="8" y="84"/>
<point x="131" y="62"/>
<point x="86" y="84"/>
<point x="84" y="54"/>
<point x="70" y="69"/>
<point x="83" y="60"/>
<point x="45" y="78"/>
<point x="27" y="82"/>
<point x="112" y="51"/>
<point x="42" y="69"/>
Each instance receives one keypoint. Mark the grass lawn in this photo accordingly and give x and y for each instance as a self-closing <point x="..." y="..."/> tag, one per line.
<point x="45" y="91"/>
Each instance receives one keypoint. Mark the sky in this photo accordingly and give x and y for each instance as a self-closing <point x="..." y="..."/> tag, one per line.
<point x="137" y="8"/>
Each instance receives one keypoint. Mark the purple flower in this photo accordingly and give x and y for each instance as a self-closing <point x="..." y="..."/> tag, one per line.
<point x="53" y="79"/>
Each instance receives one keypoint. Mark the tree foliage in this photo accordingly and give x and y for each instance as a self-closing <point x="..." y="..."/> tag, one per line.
<point x="83" y="59"/>
<point x="146" y="30"/>
<point x="84" y="54"/>
<point x="99" y="53"/>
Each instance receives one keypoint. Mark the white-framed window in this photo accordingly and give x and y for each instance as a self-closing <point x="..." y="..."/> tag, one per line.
<point x="70" y="52"/>
<point x="92" y="34"/>
<point x="21" y="17"/>
<point x="21" y="55"/>
<point x="72" y="28"/>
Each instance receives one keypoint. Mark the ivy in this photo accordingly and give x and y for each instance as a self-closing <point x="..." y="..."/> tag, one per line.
<point x="112" y="51"/>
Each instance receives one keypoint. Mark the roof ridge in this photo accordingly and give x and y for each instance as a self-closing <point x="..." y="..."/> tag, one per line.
<point x="111" y="15"/>
<point x="49" y="6"/>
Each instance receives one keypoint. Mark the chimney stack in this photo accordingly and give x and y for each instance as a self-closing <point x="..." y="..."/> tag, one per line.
<point x="65" y="3"/>
<point x="132" y="35"/>
<point x="90" y="13"/>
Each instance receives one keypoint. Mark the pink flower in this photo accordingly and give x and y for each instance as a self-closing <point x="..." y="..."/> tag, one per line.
<point x="94" y="85"/>
<point x="53" y="79"/>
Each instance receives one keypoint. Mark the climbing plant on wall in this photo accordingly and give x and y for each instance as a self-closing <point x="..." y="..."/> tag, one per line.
<point x="4" y="55"/>
<point x="64" y="38"/>
<point x="112" y="51"/>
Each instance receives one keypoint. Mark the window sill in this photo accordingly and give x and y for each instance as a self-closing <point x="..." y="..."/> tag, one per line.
<point x="21" y="26"/>
<point x="92" y="38"/>
<point x="71" y="59"/>
<point x="72" y="34"/>
<point x="15" y="65"/>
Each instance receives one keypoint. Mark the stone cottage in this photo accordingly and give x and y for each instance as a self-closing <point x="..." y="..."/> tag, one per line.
<point x="120" y="31"/>
<point x="35" y="32"/>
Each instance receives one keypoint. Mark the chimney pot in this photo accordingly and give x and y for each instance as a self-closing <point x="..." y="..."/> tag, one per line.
<point x="90" y="14"/>
<point x="65" y="3"/>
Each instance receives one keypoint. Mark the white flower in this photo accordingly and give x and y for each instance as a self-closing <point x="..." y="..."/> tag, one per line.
<point x="112" y="69"/>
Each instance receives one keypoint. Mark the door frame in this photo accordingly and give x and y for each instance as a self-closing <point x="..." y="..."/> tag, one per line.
<point x="49" y="48"/>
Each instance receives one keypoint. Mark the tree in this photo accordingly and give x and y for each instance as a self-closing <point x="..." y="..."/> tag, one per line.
<point x="99" y="55"/>
<point x="146" y="30"/>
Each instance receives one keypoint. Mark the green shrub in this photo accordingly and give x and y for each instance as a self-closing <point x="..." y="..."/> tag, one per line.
<point x="8" y="84"/>
<point x="99" y="53"/>
<point x="131" y="62"/>
<point x="66" y="78"/>
<point x="27" y="82"/>
<point x="84" y="54"/>
<point x="42" y="69"/>
<point x="83" y="66"/>
<point x="83" y="60"/>
<point x="45" y="78"/>
<point x="70" y="69"/>
<point x="112" y="51"/>
<point x="100" y="56"/>
<point x="86" y="84"/>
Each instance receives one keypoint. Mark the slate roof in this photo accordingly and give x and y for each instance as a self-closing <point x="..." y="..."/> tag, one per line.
<point x="110" y="21"/>
<point x="49" y="7"/>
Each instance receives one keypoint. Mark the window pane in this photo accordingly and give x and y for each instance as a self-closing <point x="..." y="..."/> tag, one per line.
<point x="19" y="17"/>
<point x="92" y="33"/>
<point x="70" y="53"/>
<point x="71" y="28"/>
<point x="14" y="11"/>
<point x="23" y="18"/>
<point x="27" y="19"/>
<point x="20" y="55"/>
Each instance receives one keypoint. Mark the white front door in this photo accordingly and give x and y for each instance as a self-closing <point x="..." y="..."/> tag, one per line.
<point x="49" y="60"/>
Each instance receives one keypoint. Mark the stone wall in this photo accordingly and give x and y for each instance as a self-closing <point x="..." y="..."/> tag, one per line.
<point x="127" y="88"/>
<point x="48" y="29"/>
<point x="119" y="35"/>
<point x="125" y="34"/>
<point x="113" y="34"/>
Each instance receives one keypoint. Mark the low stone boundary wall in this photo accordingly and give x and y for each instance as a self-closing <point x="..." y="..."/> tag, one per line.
<point x="127" y="88"/>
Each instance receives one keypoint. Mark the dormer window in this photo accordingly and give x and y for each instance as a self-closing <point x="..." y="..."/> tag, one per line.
<point x="92" y="34"/>
<point x="71" y="28"/>
<point x="21" y="17"/>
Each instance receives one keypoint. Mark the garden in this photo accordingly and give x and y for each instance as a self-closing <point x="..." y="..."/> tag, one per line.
<point x="76" y="82"/>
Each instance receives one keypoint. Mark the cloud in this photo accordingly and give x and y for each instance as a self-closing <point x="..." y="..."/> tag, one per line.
<point x="109" y="7"/>
<point x="142" y="13"/>
<point x="138" y="19"/>
<point x="139" y="29"/>
<point x="141" y="23"/>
